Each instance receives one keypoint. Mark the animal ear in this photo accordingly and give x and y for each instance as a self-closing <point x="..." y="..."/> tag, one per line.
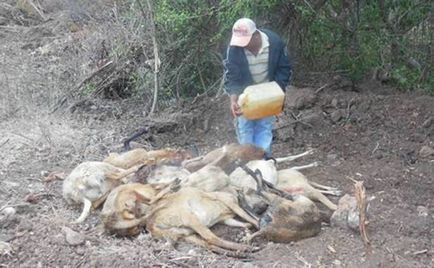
<point x="126" y="215"/>
<point x="140" y="198"/>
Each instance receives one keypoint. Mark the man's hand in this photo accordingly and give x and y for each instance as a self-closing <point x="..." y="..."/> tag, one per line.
<point x="235" y="109"/>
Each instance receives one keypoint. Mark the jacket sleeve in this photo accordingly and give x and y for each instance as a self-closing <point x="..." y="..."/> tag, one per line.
<point x="232" y="75"/>
<point x="283" y="71"/>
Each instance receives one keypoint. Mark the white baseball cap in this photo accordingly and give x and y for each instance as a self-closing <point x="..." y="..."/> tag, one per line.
<point x="242" y="32"/>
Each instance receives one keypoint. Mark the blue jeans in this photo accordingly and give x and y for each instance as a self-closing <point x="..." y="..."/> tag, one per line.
<point x="257" y="132"/>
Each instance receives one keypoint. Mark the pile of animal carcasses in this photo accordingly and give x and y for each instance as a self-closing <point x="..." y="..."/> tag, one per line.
<point x="176" y="197"/>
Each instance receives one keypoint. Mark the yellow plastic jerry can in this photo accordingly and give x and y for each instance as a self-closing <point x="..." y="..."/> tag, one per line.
<point x="261" y="100"/>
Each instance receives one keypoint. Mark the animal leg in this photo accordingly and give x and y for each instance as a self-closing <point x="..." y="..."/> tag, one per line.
<point x="331" y="192"/>
<point x="323" y="187"/>
<point x="200" y="242"/>
<point x="86" y="210"/>
<point x="323" y="199"/>
<point x="292" y="157"/>
<point x="234" y="223"/>
<point x="171" y="187"/>
<point x="314" y="164"/>
<point x="122" y="173"/>
<point x="249" y="237"/>
<point x="211" y="238"/>
<point x="236" y="209"/>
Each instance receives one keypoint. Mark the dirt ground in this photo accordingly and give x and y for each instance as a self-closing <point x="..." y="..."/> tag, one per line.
<point x="378" y="135"/>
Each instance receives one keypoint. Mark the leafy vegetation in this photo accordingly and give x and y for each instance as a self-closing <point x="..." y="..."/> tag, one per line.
<point x="360" y="39"/>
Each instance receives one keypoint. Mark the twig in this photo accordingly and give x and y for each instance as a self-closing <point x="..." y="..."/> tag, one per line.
<point x="296" y="118"/>
<point x="376" y="148"/>
<point x="3" y="143"/>
<point x="360" y="194"/>
<point x="94" y="74"/>
<point x="156" y="57"/>
<point x="301" y="259"/>
<point x="321" y="88"/>
<point x="350" y="103"/>
<point x="420" y="252"/>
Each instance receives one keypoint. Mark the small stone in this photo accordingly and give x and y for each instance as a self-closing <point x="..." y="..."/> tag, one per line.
<point x="25" y="225"/>
<point x="337" y="262"/>
<point x="347" y="214"/>
<point x="8" y="211"/>
<point x="245" y="265"/>
<point x="5" y="249"/>
<point x="427" y="123"/>
<point x="335" y="103"/>
<point x="426" y="151"/>
<point x="72" y="237"/>
<point x="332" y="156"/>
<point x="3" y="20"/>
<point x="422" y="211"/>
<point x="337" y="115"/>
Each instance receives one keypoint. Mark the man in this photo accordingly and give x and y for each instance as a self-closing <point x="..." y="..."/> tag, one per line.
<point x="254" y="56"/>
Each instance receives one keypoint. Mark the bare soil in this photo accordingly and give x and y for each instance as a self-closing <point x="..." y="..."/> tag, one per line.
<point x="378" y="135"/>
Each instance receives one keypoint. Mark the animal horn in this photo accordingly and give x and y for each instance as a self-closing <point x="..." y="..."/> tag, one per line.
<point x="86" y="210"/>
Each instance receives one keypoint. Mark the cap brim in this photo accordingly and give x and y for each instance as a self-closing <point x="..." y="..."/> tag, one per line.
<point x="240" y="41"/>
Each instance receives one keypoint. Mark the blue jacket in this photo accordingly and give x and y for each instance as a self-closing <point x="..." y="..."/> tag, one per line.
<point x="237" y="75"/>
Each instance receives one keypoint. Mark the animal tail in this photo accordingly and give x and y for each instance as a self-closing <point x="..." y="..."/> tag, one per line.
<point x="86" y="211"/>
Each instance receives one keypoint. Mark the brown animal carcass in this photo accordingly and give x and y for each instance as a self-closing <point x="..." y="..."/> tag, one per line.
<point x="188" y="214"/>
<point x="90" y="183"/>
<point x="287" y="218"/>
<point x="124" y="211"/>
<point x="143" y="157"/>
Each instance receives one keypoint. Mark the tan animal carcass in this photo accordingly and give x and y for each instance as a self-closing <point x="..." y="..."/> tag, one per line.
<point x="124" y="211"/>
<point x="293" y="181"/>
<point x="209" y="178"/>
<point x="189" y="213"/>
<point x="227" y="157"/>
<point x="239" y="178"/>
<point x="141" y="156"/>
<point x="90" y="183"/>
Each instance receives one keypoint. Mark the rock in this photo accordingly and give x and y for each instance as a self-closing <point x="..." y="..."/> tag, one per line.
<point x="347" y="214"/>
<point x="337" y="115"/>
<point x="334" y="103"/>
<point x="3" y="20"/>
<point x="72" y="237"/>
<point x="285" y="134"/>
<point x="8" y="211"/>
<point x="30" y="9"/>
<point x="300" y="98"/>
<point x="244" y="265"/>
<point x="332" y="156"/>
<point x="8" y="217"/>
<point x="5" y="249"/>
<point x="315" y="119"/>
<point x="417" y="137"/>
<point x="337" y="262"/>
<point x="427" y="123"/>
<point x="422" y="211"/>
<point x="25" y="225"/>
<point x="426" y="151"/>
